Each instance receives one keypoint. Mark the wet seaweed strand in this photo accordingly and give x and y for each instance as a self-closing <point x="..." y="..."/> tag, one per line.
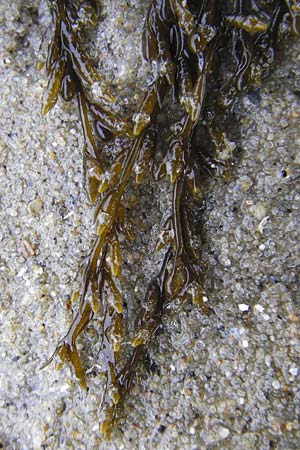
<point x="190" y="44"/>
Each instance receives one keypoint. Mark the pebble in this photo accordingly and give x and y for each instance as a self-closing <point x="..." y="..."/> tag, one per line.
<point x="245" y="343"/>
<point x="294" y="371"/>
<point x="259" y="308"/>
<point x="36" y="206"/>
<point x="223" y="432"/>
<point x="243" y="307"/>
<point x="276" y="385"/>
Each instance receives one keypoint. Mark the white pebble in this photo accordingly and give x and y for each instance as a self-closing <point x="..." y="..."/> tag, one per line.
<point x="259" y="308"/>
<point x="294" y="371"/>
<point x="276" y="385"/>
<point x="266" y="316"/>
<point x="243" y="307"/>
<point x="262" y="224"/>
<point x="245" y="343"/>
<point x="22" y="272"/>
<point x="223" y="432"/>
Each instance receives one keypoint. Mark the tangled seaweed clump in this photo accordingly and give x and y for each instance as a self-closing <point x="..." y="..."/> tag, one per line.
<point x="204" y="54"/>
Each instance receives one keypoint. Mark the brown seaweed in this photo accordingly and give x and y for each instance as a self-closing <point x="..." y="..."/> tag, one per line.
<point x="207" y="52"/>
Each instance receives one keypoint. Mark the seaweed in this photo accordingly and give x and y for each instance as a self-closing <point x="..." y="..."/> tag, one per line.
<point x="206" y="53"/>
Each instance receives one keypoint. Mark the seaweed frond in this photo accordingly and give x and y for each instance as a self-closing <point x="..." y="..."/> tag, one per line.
<point x="206" y="53"/>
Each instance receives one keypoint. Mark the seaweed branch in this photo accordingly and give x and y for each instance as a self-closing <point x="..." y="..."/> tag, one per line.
<point x="191" y="45"/>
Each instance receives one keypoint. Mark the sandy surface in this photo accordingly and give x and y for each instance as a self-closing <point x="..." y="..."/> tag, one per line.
<point x="228" y="381"/>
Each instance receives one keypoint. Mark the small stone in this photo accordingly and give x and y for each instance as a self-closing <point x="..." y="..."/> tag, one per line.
<point x="243" y="307"/>
<point x="22" y="272"/>
<point x="36" y="206"/>
<point x="26" y="248"/>
<point x="262" y="224"/>
<point x="52" y="156"/>
<point x="223" y="432"/>
<point x="245" y="343"/>
<point x="276" y="385"/>
<point x="294" y="371"/>
<point x="266" y="316"/>
<point x="38" y="270"/>
<point x="260" y="211"/>
<point x="259" y="308"/>
<point x="245" y="186"/>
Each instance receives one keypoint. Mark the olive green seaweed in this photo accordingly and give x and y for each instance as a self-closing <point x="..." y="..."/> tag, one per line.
<point x="205" y="53"/>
